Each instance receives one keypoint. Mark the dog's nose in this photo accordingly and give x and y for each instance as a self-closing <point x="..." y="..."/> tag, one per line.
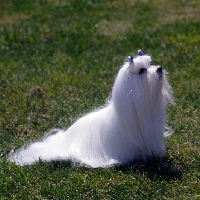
<point x="159" y="70"/>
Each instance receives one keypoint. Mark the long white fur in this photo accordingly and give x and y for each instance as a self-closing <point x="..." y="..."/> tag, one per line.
<point x="130" y="126"/>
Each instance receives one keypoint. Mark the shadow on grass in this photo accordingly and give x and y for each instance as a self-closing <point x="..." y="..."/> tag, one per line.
<point x="154" y="168"/>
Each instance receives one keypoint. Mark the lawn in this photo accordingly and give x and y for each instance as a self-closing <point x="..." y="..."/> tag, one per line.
<point x="59" y="59"/>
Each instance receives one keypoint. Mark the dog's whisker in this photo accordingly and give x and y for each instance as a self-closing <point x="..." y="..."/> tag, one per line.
<point x="129" y="93"/>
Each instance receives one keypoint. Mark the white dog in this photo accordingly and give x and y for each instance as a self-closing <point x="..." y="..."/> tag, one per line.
<point x="130" y="126"/>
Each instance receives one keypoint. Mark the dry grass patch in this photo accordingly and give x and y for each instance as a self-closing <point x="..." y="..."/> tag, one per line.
<point x="13" y="18"/>
<point x="113" y="28"/>
<point x="178" y="11"/>
<point x="119" y="4"/>
<point x="124" y="3"/>
<point x="54" y="1"/>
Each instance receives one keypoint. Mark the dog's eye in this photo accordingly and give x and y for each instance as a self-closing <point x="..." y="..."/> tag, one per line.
<point x="142" y="71"/>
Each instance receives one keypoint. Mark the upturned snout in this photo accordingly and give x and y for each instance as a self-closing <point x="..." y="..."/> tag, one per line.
<point x="159" y="71"/>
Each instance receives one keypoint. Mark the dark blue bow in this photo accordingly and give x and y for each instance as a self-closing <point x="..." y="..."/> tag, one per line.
<point x="130" y="58"/>
<point x="141" y="53"/>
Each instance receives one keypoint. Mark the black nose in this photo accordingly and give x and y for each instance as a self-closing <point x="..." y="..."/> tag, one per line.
<point x="159" y="71"/>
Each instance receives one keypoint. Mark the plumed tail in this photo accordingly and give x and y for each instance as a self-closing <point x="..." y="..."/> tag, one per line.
<point x="47" y="149"/>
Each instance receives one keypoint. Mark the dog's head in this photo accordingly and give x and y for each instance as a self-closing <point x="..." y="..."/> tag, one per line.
<point x="141" y="82"/>
<point x="146" y="78"/>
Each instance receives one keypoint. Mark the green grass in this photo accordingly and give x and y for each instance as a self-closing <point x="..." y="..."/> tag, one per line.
<point x="58" y="60"/>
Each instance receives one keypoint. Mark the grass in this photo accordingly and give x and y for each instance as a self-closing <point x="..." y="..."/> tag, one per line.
<point x="58" y="60"/>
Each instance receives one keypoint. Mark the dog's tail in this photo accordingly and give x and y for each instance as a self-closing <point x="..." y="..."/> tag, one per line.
<point x="49" y="148"/>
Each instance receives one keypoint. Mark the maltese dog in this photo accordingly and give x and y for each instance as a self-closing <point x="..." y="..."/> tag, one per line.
<point x="132" y="124"/>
